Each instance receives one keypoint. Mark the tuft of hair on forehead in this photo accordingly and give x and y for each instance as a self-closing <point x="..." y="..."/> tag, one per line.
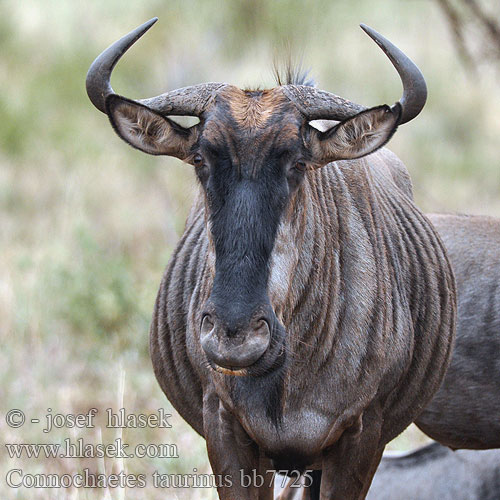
<point x="289" y="71"/>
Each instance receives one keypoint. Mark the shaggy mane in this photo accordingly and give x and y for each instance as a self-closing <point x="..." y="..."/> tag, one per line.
<point x="291" y="73"/>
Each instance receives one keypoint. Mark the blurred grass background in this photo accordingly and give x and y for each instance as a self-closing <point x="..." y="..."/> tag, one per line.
<point x="87" y="224"/>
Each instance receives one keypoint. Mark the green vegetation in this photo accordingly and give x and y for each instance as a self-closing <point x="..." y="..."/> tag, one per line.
<point x="88" y="224"/>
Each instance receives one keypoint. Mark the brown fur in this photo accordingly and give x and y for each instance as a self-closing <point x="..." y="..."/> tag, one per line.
<point x="252" y="109"/>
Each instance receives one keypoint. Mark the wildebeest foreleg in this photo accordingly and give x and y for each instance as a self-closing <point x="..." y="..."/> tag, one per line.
<point x="240" y="472"/>
<point x="349" y="465"/>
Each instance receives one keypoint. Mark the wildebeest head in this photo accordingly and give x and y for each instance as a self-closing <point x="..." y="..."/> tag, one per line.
<point x="250" y="151"/>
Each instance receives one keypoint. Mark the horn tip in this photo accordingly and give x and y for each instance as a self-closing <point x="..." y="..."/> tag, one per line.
<point x="145" y="27"/>
<point x="365" y="27"/>
<point x="374" y="35"/>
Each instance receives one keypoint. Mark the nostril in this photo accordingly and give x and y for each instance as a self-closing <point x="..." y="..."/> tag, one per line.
<point x="261" y="327"/>
<point x="207" y="324"/>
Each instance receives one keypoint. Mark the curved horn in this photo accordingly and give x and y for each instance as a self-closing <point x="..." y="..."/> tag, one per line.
<point x="186" y="101"/>
<point x="317" y="104"/>
<point x="414" y="87"/>
<point x="99" y="74"/>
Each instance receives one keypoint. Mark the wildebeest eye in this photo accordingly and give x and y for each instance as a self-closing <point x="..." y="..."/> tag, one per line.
<point x="295" y="173"/>
<point x="197" y="160"/>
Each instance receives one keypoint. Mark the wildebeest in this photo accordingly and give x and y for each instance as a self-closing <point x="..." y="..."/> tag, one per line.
<point x="307" y="315"/>
<point x="432" y="472"/>
<point x="435" y="472"/>
<point x="465" y="412"/>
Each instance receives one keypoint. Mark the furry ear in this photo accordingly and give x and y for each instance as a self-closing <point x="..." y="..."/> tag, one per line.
<point x="147" y="130"/>
<point x="357" y="136"/>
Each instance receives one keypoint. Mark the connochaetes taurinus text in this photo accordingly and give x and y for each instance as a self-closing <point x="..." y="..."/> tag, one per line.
<point x="307" y="314"/>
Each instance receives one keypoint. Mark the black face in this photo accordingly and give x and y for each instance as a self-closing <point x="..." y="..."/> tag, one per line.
<point x="249" y="166"/>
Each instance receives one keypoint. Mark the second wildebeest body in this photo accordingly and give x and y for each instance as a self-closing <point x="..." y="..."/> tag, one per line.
<point x="435" y="472"/>
<point x="307" y="314"/>
<point x="465" y="412"/>
<point x="432" y="472"/>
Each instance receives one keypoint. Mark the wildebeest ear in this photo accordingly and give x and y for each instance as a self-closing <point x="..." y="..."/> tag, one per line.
<point x="147" y="130"/>
<point x="357" y="136"/>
